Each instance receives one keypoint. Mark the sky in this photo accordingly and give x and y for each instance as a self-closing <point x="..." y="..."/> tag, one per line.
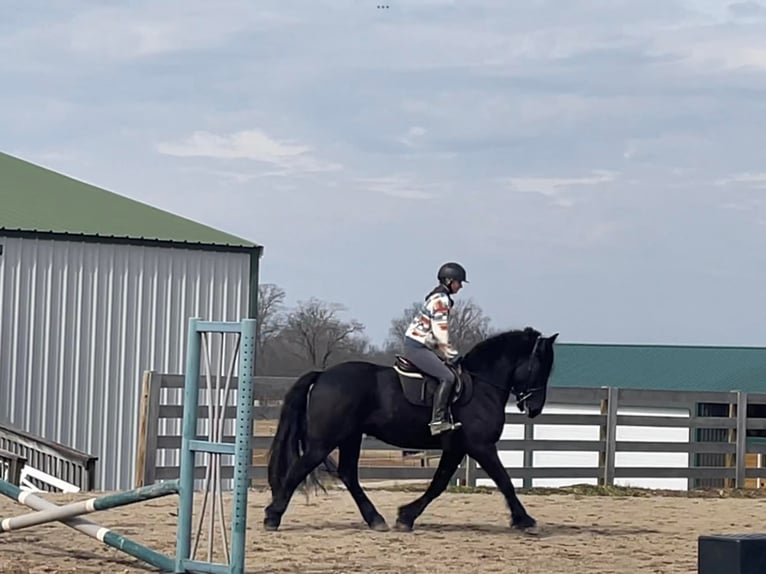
<point x="598" y="166"/>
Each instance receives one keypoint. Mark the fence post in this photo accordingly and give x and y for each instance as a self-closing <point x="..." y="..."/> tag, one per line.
<point x="528" y="462"/>
<point x="465" y="475"/>
<point x="15" y="467"/>
<point x="741" y="437"/>
<point x="90" y="471"/>
<point x="14" y="464"/>
<point x="609" y="436"/>
<point x="455" y="479"/>
<point x="470" y="472"/>
<point x="149" y="416"/>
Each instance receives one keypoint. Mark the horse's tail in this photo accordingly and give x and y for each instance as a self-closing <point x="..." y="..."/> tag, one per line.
<point x="290" y="438"/>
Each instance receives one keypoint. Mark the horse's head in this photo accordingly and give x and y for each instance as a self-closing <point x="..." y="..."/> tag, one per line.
<point x="529" y="381"/>
<point x="518" y="361"/>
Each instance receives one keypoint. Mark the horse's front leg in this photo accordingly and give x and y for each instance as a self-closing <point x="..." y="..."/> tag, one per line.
<point x="486" y="455"/>
<point x="448" y="463"/>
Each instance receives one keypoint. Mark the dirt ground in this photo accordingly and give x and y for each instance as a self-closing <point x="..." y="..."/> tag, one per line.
<point x="457" y="533"/>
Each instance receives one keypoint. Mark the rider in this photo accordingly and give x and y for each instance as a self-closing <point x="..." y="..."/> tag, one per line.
<point x="427" y="345"/>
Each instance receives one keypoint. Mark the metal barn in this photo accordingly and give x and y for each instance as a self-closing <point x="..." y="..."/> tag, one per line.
<point x="96" y="288"/>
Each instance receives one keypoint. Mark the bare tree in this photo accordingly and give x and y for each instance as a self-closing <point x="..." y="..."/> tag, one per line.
<point x="269" y="318"/>
<point x="467" y="325"/>
<point x="317" y="332"/>
<point x="399" y="326"/>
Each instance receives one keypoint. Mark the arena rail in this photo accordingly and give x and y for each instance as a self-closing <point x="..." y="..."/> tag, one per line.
<point x="50" y="458"/>
<point x="725" y="432"/>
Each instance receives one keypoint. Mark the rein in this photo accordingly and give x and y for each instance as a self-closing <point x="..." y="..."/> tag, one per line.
<point x="528" y="392"/>
<point x="489" y="382"/>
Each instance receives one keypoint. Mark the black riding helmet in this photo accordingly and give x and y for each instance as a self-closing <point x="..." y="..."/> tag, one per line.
<point x="451" y="272"/>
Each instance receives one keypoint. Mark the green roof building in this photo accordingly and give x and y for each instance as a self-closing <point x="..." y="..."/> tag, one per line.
<point x="660" y="367"/>
<point x="95" y="288"/>
<point x="38" y="202"/>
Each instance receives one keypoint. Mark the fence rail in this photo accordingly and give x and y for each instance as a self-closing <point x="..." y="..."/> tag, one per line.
<point x="65" y="465"/>
<point x="722" y="450"/>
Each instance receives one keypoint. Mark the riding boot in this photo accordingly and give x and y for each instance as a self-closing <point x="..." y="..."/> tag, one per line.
<point x="439" y="422"/>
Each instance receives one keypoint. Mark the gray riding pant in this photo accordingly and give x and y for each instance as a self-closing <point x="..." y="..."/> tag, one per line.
<point x="426" y="360"/>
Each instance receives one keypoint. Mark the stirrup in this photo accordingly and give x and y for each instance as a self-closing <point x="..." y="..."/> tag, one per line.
<point x="443" y="426"/>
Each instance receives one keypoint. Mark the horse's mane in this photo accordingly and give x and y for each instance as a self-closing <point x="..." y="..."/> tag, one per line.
<point x="503" y="343"/>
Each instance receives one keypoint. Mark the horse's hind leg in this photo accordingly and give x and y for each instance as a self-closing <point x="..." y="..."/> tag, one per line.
<point x="297" y="474"/>
<point x="448" y="463"/>
<point x="348" y="470"/>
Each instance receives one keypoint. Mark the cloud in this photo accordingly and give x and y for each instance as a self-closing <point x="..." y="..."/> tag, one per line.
<point x="413" y="136"/>
<point x="601" y="231"/>
<point x="476" y="109"/>
<point x="747" y="10"/>
<point x="397" y="186"/>
<point x="252" y="145"/>
<point x="749" y="180"/>
<point x="143" y="29"/>
<point x="725" y="41"/>
<point x="554" y="186"/>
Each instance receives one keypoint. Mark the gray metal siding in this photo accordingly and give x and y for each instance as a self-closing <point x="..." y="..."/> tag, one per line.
<point x="80" y="322"/>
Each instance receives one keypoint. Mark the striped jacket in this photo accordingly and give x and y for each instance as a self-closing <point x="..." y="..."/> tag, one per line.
<point x="430" y="326"/>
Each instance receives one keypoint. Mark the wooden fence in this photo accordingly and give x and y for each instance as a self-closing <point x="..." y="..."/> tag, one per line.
<point x="53" y="463"/>
<point x="722" y="450"/>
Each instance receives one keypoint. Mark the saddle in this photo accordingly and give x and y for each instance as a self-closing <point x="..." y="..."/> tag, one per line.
<point x="419" y="387"/>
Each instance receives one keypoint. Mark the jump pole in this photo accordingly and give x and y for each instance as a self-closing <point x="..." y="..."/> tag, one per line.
<point x="61" y="513"/>
<point x="71" y="514"/>
<point x="105" y="535"/>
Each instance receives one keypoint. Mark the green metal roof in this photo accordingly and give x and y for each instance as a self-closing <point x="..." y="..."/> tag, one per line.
<point x="660" y="367"/>
<point x="38" y="200"/>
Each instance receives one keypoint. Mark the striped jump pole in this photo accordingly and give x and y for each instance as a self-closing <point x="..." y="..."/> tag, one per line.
<point x="105" y="535"/>
<point x="60" y="513"/>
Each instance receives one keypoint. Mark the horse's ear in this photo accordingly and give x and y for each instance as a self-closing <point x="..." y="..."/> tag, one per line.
<point x="552" y="338"/>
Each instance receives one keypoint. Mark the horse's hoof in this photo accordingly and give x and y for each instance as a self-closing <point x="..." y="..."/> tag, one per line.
<point x="379" y="526"/>
<point x="403" y="526"/>
<point x="270" y="525"/>
<point x="524" y="523"/>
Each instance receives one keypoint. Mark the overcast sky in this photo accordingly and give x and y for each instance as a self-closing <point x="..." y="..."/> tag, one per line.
<point x="598" y="166"/>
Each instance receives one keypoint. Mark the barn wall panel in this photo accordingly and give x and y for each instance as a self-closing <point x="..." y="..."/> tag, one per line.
<point x="81" y="321"/>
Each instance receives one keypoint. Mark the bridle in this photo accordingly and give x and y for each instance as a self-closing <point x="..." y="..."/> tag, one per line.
<point x="527" y="393"/>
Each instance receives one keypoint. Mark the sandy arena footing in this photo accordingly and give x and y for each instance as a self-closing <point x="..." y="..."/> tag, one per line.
<point x="457" y="533"/>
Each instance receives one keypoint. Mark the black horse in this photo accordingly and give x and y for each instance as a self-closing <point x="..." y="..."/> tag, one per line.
<point x="334" y="408"/>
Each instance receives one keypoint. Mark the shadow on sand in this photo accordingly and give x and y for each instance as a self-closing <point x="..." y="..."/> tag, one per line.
<point x="542" y="531"/>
